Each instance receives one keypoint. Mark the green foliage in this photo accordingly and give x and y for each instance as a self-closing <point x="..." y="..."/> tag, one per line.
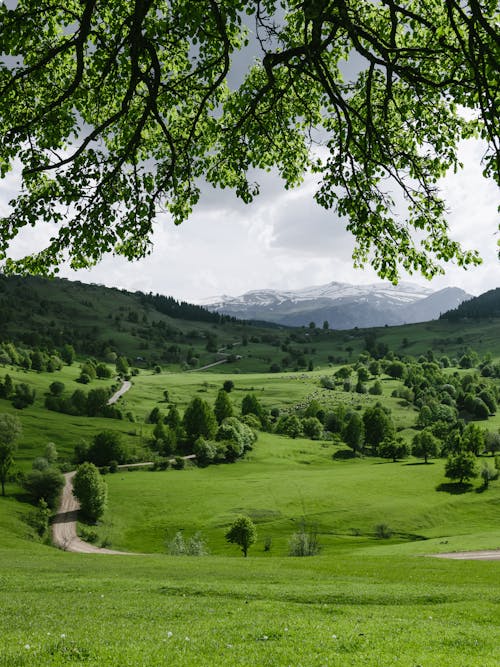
<point x="46" y="483"/>
<point x="39" y="518"/>
<point x="461" y="466"/>
<point x="425" y="445"/>
<point x="223" y="407"/>
<point x="10" y="431"/>
<point x="393" y="448"/>
<point x="383" y="531"/>
<point x="199" y="420"/>
<point x="378" y="425"/>
<point x="312" y="428"/>
<point x="91" y="491"/>
<point x="243" y="533"/>
<point x="353" y="433"/>
<point x="107" y="446"/>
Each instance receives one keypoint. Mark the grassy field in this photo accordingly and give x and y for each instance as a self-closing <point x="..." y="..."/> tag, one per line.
<point x="363" y="601"/>
<point x="345" y="607"/>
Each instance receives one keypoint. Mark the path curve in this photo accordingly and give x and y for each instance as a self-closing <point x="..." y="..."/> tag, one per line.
<point x="118" y="394"/>
<point x="64" y="533"/>
<point x="491" y="554"/>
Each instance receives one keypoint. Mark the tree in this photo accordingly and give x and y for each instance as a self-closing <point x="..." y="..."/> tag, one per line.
<point x="312" y="428"/>
<point x="138" y="118"/>
<point x="107" y="446"/>
<point x="56" y="388"/>
<point x="46" y="484"/>
<point x="122" y="366"/>
<point x="243" y="533"/>
<point x="223" y="407"/>
<point x="473" y="439"/>
<point x="378" y="425"/>
<point x="354" y="433"/>
<point x="228" y="386"/>
<point x="199" y="420"/>
<point x="461" y="466"/>
<point x="393" y="448"/>
<point x="91" y="491"/>
<point x="10" y="431"/>
<point x="425" y="445"/>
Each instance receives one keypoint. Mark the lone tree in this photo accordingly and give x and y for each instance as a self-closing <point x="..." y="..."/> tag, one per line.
<point x="243" y="533"/>
<point x="10" y="430"/>
<point x="145" y="106"/>
<point x="461" y="466"/>
<point x="91" y="491"/>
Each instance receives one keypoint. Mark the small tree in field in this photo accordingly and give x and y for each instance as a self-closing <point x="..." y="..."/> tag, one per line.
<point x="461" y="466"/>
<point x="91" y="490"/>
<point x="243" y="533"/>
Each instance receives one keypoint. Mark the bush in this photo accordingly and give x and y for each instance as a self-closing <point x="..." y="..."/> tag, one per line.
<point x="46" y="484"/>
<point x="38" y="519"/>
<point x="383" y="531"/>
<point x="179" y="463"/>
<point x="304" y="543"/>
<point x="194" y="546"/>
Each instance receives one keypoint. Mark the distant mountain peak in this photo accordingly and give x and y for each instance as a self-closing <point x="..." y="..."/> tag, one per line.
<point x="343" y="305"/>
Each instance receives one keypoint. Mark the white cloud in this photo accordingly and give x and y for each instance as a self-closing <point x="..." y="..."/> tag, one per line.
<point x="283" y="240"/>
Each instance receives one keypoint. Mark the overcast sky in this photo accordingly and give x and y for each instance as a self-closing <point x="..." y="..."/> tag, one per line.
<point x="284" y="240"/>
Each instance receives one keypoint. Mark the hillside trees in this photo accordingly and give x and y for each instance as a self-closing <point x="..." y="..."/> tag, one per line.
<point x="199" y="420"/>
<point x="119" y="68"/>
<point x="46" y="483"/>
<point x="461" y="466"/>
<point x="425" y="445"/>
<point x="91" y="491"/>
<point x="10" y="431"/>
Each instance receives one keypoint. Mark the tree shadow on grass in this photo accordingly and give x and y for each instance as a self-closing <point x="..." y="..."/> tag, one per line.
<point x="345" y="454"/>
<point x="454" y="488"/>
<point x="419" y="463"/>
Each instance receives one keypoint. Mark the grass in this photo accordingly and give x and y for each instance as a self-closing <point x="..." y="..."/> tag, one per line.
<point x="362" y="601"/>
<point x="349" y="609"/>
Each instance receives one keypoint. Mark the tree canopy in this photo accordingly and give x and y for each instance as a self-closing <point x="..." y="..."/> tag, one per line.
<point x="118" y="110"/>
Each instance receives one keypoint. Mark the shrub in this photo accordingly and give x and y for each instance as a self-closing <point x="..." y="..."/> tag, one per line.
<point x="304" y="543"/>
<point x="194" y="546"/>
<point x="46" y="484"/>
<point x="179" y="463"/>
<point x="383" y="531"/>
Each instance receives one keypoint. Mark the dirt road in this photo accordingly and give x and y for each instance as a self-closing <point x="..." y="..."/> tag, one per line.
<point x="64" y="525"/>
<point x="118" y="394"/>
<point x="493" y="554"/>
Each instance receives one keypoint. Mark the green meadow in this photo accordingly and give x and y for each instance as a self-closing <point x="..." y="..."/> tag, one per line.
<point x="363" y="600"/>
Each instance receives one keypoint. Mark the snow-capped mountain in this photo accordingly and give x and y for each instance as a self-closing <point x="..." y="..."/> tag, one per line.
<point x="344" y="306"/>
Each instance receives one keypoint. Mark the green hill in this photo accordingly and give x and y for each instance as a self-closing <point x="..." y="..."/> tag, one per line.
<point x="485" y="306"/>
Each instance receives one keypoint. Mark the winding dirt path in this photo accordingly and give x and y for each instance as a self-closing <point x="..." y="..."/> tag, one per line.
<point x="118" y="394"/>
<point x="64" y="533"/>
<point x="64" y="525"/>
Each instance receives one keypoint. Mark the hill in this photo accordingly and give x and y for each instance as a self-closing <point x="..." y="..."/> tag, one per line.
<point x="486" y="305"/>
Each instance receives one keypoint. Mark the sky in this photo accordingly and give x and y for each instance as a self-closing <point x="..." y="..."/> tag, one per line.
<point x="283" y="240"/>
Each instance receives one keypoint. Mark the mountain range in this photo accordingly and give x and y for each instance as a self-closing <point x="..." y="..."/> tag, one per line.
<point x="342" y="305"/>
